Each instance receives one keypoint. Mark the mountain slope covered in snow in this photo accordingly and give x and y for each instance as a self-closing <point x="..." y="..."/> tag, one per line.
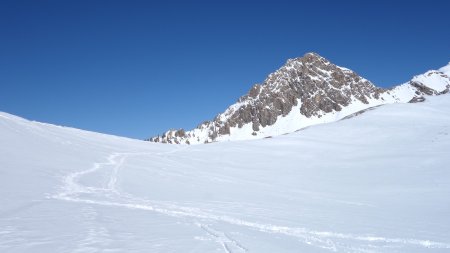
<point x="378" y="182"/>
<point x="305" y="91"/>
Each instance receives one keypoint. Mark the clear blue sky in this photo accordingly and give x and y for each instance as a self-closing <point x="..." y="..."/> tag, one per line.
<point x="137" y="68"/>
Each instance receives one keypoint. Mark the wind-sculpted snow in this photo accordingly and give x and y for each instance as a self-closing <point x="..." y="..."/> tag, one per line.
<point x="378" y="182"/>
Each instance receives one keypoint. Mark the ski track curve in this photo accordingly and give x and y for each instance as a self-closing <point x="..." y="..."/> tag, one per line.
<point x="110" y="195"/>
<point x="223" y="239"/>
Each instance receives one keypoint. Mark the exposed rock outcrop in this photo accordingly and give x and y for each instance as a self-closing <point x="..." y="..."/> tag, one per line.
<point x="305" y="91"/>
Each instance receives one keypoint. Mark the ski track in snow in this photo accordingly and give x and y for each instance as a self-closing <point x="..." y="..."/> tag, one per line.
<point x="110" y="195"/>
<point x="223" y="239"/>
<point x="96" y="235"/>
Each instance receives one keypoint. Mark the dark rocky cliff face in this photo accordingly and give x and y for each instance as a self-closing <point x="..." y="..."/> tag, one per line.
<point x="320" y="87"/>
<point x="311" y="81"/>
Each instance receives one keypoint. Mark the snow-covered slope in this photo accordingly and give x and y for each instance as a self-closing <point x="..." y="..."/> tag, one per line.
<point x="306" y="91"/>
<point x="378" y="182"/>
<point x="445" y="69"/>
<point x="433" y="82"/>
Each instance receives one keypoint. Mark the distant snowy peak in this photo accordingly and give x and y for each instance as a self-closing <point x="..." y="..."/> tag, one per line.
<point x="445" y="69"/>
<point x="432" y="82"/>
<point x="436" y="80"/>
<point x="305" y="91"/>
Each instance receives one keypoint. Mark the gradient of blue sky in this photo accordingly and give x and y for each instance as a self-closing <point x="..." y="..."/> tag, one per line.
<point x="137" y="68"/>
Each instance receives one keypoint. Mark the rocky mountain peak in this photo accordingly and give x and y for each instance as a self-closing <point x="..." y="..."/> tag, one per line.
<point x="310" y="57"/>
<point x="320" y="85"/>
<point x="304" y="91"/>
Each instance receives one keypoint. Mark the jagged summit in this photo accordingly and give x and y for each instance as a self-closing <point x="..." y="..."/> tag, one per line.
<point x="310" y="56"/>
<point x="305" y="91"/>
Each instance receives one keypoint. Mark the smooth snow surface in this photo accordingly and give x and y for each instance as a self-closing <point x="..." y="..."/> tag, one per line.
<point x="378" y="182"/>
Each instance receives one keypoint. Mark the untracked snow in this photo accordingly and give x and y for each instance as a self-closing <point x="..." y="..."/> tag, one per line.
<point x="379" y="182"/>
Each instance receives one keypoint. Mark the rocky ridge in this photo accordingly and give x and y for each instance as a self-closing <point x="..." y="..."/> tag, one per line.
<point x="305" y="91"/>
